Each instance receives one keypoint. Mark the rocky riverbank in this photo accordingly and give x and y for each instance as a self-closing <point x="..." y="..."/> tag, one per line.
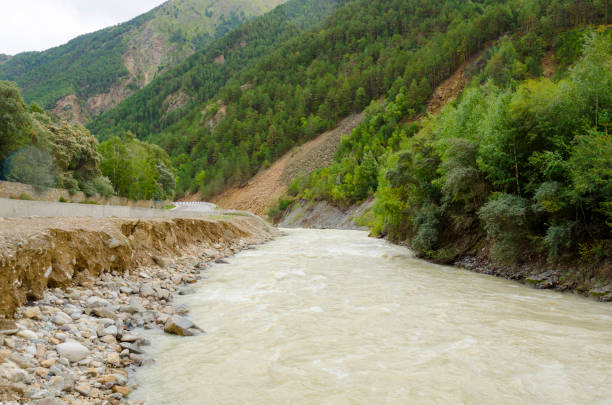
<point x="545" y="277"/>
<point x="76" y="340"/>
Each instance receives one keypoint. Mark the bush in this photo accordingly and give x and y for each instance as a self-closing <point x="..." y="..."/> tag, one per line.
<point x="31" y="165"/>
<point x="103" y="186"/>
<point x="504" y="219"/>
<point x="427" y="228"/>
<point x="558" y="238"/>
<point x="277" y="210"/>
<point x="66" y="181"/>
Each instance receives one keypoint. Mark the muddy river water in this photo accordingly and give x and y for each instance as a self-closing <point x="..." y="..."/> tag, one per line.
<point x="335" y="317"/>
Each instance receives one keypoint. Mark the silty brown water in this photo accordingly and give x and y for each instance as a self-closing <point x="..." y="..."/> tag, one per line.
<point x="335" y="317"/>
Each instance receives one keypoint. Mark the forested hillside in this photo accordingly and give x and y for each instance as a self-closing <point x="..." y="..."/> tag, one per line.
<point x="363" y="51"/>
<point x="212" y="74"/>
<point x="518" y="169"/>
<point x="41" y="149"/>
<point x="94" y="72"/>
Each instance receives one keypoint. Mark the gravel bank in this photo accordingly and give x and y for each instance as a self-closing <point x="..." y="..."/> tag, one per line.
<point x="76" y="340"/>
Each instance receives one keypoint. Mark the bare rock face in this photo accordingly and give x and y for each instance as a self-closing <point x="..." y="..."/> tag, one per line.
<point x="178" y="325"/>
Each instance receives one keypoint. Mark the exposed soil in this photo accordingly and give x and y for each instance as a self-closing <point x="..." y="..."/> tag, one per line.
<point x="450" y="89"/>
<point x="269" y="184"/>
<point x="549" y="69"/>
<point x="36" y="253"/>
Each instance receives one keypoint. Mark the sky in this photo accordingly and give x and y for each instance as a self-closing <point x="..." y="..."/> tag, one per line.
<point x="36" y="25"/>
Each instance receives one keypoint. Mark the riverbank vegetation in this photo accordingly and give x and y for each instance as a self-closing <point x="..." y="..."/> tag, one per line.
<point x="520" y="165"/>
<point x="39" y="148"/>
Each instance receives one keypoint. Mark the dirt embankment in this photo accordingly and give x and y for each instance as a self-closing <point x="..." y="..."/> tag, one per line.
<point x="268" y="185"/>
<point x="36" y="253"/>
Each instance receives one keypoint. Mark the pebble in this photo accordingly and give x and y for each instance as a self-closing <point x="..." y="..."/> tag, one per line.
<point x="104" y="312"/>
<point x="73" y="351"/>
<point x="27" y="334"/>
<point x="113" y="359"/>
<point x="32" y="312"/>
<point x="95" y="302"/>
<point x="111" y="330"/>
<point x="83" y="389"/>
<point x="60" y="318"/>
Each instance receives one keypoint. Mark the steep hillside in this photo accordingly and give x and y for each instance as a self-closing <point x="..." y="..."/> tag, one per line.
<point x="262" y="191"/>
<point x="197" y="80"/>
<point x="94" y="72"/>
<point x="306" y="85"/>
<point x="512" y="178"/>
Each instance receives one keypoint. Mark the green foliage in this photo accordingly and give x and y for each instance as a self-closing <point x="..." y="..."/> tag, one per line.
<point x="276" y="212"/>
<point x="101" y="186"/>
<point x="525" y="162"/>
<point x="518" y="163"/>
<point x="504" y="218"/>
<point x="558" y="238"/>
<point x="55" y="153"/>
<point x="93" y="63"/>
<point x="305" y="83"/>
<point x="14" y="120"/>
<point x="31" y="165"/>
<point x="427" y="228"/>
<point x="252" y="131"/>
<point x="138" y="170"/>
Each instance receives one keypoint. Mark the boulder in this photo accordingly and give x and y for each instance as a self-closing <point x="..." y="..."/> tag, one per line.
<point x="73" y="351"/>
<point x="178" y="325"/>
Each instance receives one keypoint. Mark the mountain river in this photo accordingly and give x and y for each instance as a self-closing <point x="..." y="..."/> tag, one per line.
<point x="335" y="317"/>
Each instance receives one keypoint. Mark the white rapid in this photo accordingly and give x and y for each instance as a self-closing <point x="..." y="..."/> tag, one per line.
<point x="335" y="317"/>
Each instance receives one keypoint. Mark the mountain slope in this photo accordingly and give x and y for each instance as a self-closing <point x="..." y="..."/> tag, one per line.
<point x="262" y="191"/>
<point x="94" y="72"/>
<point x="513" y="177"/>
<point x="198" y="79"/>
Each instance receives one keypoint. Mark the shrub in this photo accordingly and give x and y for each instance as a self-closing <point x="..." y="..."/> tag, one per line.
<point x="278" y="209"/>
<point x="558" y="237"/>
<point x="31" y="165"/>
<point x="66" y="181"/>
<point x="504" y="220"/>
<point x="103" y="186"/>
<point x="427" y="228"/>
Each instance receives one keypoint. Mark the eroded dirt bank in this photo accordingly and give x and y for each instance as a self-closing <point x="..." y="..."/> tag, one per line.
<point x="75" y="291"/>
<point x="36" y="253"/>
